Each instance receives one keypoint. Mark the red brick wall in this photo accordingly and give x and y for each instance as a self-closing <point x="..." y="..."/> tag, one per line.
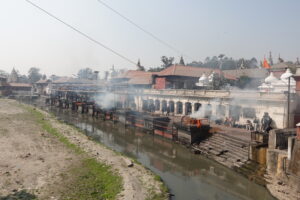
<point x="160" y="83"/>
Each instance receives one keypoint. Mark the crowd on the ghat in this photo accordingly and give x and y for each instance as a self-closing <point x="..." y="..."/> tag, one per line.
<point x="263" y="125"/>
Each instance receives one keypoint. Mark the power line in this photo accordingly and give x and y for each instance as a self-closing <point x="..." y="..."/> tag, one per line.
<point x="81" y="33"/>
<point x="142" y="29"/>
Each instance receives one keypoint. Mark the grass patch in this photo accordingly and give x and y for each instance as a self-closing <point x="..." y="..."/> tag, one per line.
<point x="88" y="180"/>
<point x="91" y="180"/>
<point x="163" y="191"/>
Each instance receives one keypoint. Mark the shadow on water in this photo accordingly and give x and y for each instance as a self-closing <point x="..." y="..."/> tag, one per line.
<point x="188" y="176"/>
<point x="20" y="195"/>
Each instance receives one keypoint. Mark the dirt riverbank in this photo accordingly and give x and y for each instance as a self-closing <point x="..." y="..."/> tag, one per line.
<point x="36" y="163"/>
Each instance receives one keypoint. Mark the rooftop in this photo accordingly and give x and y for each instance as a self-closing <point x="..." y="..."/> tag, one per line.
<point x="189" y="71"/>
<point x="20" y="85"/>
<point x="253" y="73"/>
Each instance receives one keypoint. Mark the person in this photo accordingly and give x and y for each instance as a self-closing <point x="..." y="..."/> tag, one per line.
<point x="255" y="124"/>
<point x="168" y="111"/>
<point x="249" y="126"/>
<point x="266" y="122"/>
<point x="226" y="122"/>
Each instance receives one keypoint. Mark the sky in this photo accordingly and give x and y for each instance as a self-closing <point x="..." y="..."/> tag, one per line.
<point x="197" y="28"/>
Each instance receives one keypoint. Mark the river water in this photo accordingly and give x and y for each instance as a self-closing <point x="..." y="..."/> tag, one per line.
<point x="188" y="176"/>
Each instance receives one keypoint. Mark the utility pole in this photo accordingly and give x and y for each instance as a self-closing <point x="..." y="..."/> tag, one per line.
<point x="288" y="106"/>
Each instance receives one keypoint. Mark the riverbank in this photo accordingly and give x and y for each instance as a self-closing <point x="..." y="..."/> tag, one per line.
<point x="46" y="159"/>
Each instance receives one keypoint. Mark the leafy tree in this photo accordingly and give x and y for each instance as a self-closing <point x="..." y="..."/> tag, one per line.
<point x="243" y="82"/>
<point x="3" y="73"/>
<point x="86" y="73"/>
<point x="155" y="69"/>
<point x="23" y="79"/>
<point x="54" y="77"/>
<point x="34" y="75"/>
<point x="44" y="77"/>
<point x="195" y="64"/>
<point x="167" y="62"/>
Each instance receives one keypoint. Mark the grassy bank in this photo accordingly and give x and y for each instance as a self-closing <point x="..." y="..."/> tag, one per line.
<point x="87" y="180"/>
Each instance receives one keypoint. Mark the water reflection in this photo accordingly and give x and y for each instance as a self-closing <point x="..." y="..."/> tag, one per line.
<point x="187" y="175"/>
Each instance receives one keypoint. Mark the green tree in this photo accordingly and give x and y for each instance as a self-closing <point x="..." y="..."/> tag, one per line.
<point x="34" y="75"/>
<point x="86" y="73"/>
<point x="243" y="82"/>
<point x="167" y="62"/>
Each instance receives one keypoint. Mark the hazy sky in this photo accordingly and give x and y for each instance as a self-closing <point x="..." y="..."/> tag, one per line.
<point x="199" y="28"/>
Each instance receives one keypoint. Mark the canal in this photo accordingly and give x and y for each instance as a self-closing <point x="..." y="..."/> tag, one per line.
<point x="188" y="176"/>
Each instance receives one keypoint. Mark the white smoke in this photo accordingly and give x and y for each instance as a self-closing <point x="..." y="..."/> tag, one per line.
<point x="106" y="100"/>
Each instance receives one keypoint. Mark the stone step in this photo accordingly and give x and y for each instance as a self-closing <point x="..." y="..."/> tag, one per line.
<point x="221" y="147"/>
<point x="228" y="143"/>
<point x="235" y="140"/>
<point x="235" y="154"/>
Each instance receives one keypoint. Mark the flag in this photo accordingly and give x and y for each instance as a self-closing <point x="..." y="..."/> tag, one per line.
<point x="266" y="64"/>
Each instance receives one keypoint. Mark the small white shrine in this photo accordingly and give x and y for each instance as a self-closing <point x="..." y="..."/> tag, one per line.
<point x="273" y="84"/>
<point x="203" y="81"/>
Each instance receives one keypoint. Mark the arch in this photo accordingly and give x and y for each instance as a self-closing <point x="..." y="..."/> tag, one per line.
<point x="188" y="108"/>
<point x="197" y="106"/>
<point x="151" y="107"/>
<point x="179" y="106"/>
<point x="157" y="105"/>
<point x="172" y="106"/>
<point x="145" y="105"/>
<point x="208" y="111"/>
<point x="133" y="105"/>
<point x="235" y="112"/>
<point x="221" y="110"/>
<point x="164" y="105"/>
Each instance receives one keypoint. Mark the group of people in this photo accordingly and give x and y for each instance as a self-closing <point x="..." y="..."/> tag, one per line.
<point x="263" y="125"/>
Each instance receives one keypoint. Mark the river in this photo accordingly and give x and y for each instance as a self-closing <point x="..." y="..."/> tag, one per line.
<point x="188" y="176"/>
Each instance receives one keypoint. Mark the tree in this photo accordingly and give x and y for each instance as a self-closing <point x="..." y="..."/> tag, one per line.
<point x="243" y="82"/>
<point x="54" y="77"/>
<point x="155" y="69"/>
<point x="23" y="79"/>
<point x="253" y="63"/>
<point x="195" y="64"/>
<point x="34" y="74"/>
<point x="44" y="77"/>
<point x="3" y="73"/>
<point x="86" y="73"/>
<point x="167" y="62"/>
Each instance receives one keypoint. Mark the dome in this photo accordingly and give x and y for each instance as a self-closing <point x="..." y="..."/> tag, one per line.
<point x="286" y="74"/>
<point x="211" y="77"/>
<point x="203" y="78"/>
<point x="203" y="81"/>
<point x="271" y="78"/>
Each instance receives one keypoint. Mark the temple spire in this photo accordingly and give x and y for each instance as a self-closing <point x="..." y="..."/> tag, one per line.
<point x="280" y="60"/>
<point x="139" y="66"/>
<point x="271" y="59"/>
<point x="297" y="61"/>
<point x="181" y="62"/>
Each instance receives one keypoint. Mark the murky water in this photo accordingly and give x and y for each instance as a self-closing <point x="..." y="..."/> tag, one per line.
<point x="188" y="176"/>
